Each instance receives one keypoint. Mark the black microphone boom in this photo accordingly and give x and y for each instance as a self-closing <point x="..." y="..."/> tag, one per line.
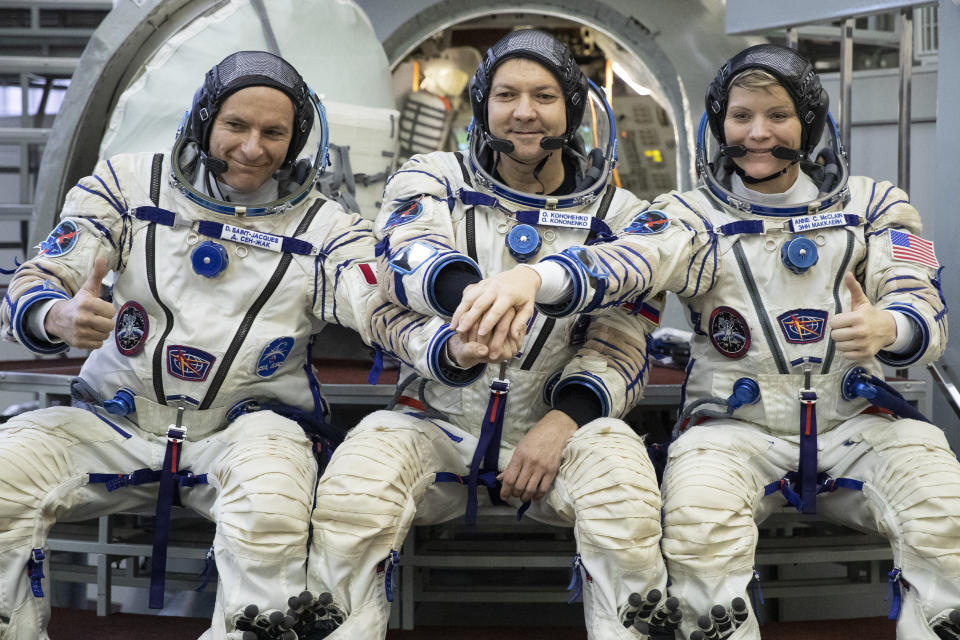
<point x="786" y="153"/>
<point x="733" y="150"/>
<point x="216" y="166"/>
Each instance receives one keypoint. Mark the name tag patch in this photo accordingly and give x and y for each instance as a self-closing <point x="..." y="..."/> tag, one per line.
<point x="801" y="326"/>
<point x="564" y="219"/>
<point x="251" y="237"/>
<point x="818" y="221"/>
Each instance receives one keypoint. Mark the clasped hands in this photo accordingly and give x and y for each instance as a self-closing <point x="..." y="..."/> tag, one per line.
<point x="498" y="308"/>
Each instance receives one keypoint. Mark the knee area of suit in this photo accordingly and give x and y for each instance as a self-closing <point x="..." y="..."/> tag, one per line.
<point x="608" y="452"/>
<point x="265" y="501"/>
<point x="379" y="458"/>
<point x="919" y="480"/>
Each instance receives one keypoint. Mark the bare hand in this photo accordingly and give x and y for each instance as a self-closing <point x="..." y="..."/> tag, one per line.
<point x="537" y="458"/>
<point x="85" y="320"/>
<point x="864" y="330"/>
<point x="471" y="350"/>
<point x="487" y="304"/>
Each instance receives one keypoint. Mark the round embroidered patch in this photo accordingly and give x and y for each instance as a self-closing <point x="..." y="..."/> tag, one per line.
<point x="61" y="240"/>
<point x="649" y="221"/>
<point x="131" y="328"/>
<point x="406" y="212"/>
<point x="273" y="355"/>
<point x="729" y="332"/>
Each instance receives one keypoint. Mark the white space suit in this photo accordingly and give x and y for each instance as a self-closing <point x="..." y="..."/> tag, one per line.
<point x="754" y="318"/>
<point x="383" y="478"/>
<point x="218" y="345"/>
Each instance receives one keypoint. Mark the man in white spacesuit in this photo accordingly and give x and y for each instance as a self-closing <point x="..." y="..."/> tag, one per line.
<point x="799" y="282"/>
<point x="540" y="428"/>
<point x="227" y="262"/>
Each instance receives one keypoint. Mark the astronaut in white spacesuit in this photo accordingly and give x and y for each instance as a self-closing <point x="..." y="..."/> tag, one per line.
<point x="540" y="428"/>
<point x="227" y="261"/>
<point x="799" y="282"/>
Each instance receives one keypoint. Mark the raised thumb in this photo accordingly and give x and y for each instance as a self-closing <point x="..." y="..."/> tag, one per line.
<point x="100" y="270"/>
<point x="857" y="296"/>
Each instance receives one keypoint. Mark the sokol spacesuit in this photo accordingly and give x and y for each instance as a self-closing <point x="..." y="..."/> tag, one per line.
<point x="445" y="221"/>
<point x="782" y="364"/>
<point x="220" y="283"/>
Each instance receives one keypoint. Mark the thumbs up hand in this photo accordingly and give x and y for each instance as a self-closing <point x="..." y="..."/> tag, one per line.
<point x="863" y="330"/>
<point x="85" y="320"/>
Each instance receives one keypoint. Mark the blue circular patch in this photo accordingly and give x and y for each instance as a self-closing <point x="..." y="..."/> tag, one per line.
<point x="649" y="221"/>
<point x="729" y="332"/>
<point x="273" y="355"/>
<point x="406" y="212"/>
<point x="61" y="240"/>
<point x="131" y="328"/>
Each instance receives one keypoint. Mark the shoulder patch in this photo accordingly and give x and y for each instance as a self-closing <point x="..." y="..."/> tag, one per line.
<point x="648" y="222"/>
<point x="910" y="248"/>
<point x="61" y="240"/>
<point x="407" y="212"/>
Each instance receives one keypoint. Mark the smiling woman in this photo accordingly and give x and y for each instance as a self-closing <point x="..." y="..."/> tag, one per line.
<point x="761" y="118"/>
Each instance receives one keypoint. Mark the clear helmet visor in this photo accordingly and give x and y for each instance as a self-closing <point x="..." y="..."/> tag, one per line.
<point x="591" y="154"/>
<point x="826" y="166"/>
<point x="195" y="176"/>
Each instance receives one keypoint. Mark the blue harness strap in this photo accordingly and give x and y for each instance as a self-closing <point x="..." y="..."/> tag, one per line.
<point x="894" y="593"/>
<point x="823" y="483"/>
<point x="278" y="243"/>
<point x="175" y="437"/>
<point x="808" y="451"/>
<point x="576" y="579"/>
<point x="35" y="571"/>
<point x="487" y="452"/>
<point x="390" y="579"/>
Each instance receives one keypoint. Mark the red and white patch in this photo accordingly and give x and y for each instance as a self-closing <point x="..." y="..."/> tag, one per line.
<point x="369" y="273"/>
<point x="910" y="248"/>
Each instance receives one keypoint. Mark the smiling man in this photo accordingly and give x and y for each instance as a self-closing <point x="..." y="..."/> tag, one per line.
<point x="198" y="390"/>
<point x="542" y="428"/>
<point x="799" y="282"/>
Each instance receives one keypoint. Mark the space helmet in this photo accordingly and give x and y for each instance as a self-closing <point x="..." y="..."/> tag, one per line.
<point x="589" y="140"/>
<point x="821" y="154"/>
<point x="306" y="156"/>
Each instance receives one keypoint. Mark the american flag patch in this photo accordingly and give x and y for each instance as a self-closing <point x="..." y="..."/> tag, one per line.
<point x="906" y="246"/>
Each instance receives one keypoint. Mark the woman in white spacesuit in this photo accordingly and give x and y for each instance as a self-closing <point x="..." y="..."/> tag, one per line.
<point x="227" y="263"/>
<point x="799" y="281"/>
<point x="539" y="429"/>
